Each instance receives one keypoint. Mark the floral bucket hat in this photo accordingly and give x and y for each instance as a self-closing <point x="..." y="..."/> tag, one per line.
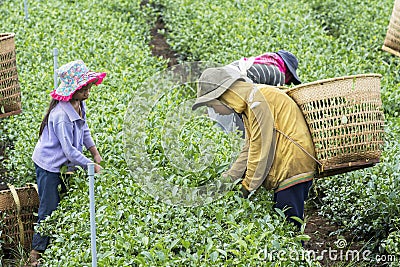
<point x="73" y="76"/>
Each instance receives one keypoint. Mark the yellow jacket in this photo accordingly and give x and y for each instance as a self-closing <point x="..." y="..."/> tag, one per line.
<point x="268" y="157"/>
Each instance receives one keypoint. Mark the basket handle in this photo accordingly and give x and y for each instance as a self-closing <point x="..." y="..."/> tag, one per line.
<point x="34" y="186"/>
<point x="18" y="203"/>
<point x="298" y="145"/>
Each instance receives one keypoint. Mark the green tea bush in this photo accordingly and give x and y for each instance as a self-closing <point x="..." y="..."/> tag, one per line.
<point x="360" y="28"/>
<point x="330" y="39"/>
<point x="391" y="244"/>
<point x="111" y="38"/>
<point x="133" y="229"/>
<point x="137" y="231"/>
<point x="1" y="243"/>
<point x="223" y="31"/>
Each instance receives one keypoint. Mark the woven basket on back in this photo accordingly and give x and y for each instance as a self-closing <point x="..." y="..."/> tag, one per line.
<point x="391" y="43"/>
<point x="345" y="119"/>
<point x="18" y="209"/>
<point x="10" y="94"/>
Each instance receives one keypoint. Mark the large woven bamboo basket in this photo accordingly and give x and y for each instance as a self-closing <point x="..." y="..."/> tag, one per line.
<point x="391" y="43"/>
<point x="345" y="119"/>
<point x="18" y="214"/>
<point x="10" y="94"/>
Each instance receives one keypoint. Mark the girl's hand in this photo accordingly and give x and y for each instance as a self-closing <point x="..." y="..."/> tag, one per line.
<point x="95" y="154"/>
<point x="97" y="158"/>
<point x="97" y="168"/>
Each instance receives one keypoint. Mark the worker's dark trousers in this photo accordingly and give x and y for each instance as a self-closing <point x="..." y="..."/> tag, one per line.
<point x="293" y="198"/>
<point x="49" y="197"/>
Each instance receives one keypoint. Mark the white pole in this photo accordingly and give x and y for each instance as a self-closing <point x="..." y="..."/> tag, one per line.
<point x="55" y="60"/>
<point x="92" y="214"/>
<point x="26" y="9"/>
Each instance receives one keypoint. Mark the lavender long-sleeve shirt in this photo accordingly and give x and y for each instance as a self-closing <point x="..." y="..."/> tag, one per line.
<point x="63" y="139"/>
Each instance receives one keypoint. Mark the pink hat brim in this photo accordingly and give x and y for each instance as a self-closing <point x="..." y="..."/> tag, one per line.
<point x="95" y="76"/>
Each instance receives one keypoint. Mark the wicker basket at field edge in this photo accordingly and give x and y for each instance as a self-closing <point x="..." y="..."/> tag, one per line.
<point x="10" y="94"/>
<point x="18" y="214"/>
<point x="345" y="119"/>
<point x="392" y="40"/>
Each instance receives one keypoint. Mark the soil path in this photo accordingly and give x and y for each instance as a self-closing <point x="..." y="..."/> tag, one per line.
<point x="159" y="45"/>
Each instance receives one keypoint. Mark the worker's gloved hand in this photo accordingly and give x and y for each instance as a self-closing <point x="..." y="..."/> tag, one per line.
<point x="244" y="193"/>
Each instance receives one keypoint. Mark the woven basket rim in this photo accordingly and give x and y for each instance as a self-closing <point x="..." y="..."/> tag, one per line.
<point x="390" y="50"/>
<point x="297" y="87"/>
<point x="6" y="35"/>
<point x="15" y="112"/>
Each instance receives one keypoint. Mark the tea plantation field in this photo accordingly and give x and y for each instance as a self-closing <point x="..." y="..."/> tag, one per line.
<point x="330" y="39"/>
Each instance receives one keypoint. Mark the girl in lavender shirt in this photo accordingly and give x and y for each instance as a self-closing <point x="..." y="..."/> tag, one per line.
<point x="62" y="135"/>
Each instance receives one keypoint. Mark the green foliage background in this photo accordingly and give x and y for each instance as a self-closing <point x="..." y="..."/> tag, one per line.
<point x="330" y="39"/>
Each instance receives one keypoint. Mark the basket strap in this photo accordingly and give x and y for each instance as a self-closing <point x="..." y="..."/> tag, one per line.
<point x="297" y="144"/>
<point x="18" y="203"/>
